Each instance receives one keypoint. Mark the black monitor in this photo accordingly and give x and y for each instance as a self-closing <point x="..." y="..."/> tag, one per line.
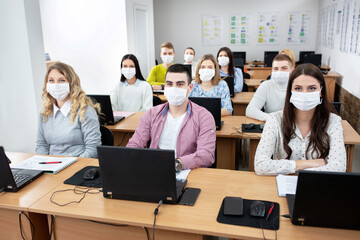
<point x="313" y="58"/>
<point x="230" y="83"/>
<point x="107" y="116"/>
<point x="239" y="58"/>
<point x="213" y="105"/>
<point x="302" y="54"/>
<point x="269" y="57"/>
<point x="189" y="66"/>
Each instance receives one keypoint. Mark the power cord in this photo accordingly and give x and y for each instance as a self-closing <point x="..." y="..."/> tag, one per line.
<point x="51" y="226"/>
<point x="31" y="224"/>
<point x="155" y="213"/>
<point x="262" y="229"/>
<point x="238" y="131"/>
<point x="78" y="190"/>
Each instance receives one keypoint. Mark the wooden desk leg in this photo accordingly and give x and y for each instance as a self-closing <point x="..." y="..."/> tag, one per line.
<point x="121" y="138"/>
<point x="226" y="148"/>
<point x="252" y="150"/>
<point x="349" y="156"/>
<point x="239" y="109"/>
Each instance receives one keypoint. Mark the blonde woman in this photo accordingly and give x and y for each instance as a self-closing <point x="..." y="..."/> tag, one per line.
<point x="209" y="84"/>
<point x="68" y="124"/>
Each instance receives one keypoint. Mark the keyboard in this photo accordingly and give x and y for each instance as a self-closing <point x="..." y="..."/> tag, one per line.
<point x="19" y="178"/>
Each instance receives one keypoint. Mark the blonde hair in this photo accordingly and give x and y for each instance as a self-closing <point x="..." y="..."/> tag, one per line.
<point x="167" y="45"/>
<point x="79" y="100"/>
<point x="216" y="79"/>
<point x="290" y="54"/>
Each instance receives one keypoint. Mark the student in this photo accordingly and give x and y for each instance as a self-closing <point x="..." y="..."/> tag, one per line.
<point x="68" y="124"/>
<point x="209" y="84"/>
<point x="305" y="135"/>
<point x="226" y="61"/>
<point x="132" y="93"/>
<point x="271" y="93"/>
<point x="157" y="74"/>
<point x="189" y="56"/>
<point x="179" y="124"/>
<point x="290" y="54"/>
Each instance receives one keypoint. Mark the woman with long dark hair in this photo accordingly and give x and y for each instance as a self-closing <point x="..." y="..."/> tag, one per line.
<point x="305" y="135"/>
<point x="132" y="93"/>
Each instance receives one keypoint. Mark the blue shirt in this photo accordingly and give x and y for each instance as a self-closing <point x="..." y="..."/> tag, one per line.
<point x="58" y="136"/>
<point x="238" y="79"/>
<point x="219" y="91"/>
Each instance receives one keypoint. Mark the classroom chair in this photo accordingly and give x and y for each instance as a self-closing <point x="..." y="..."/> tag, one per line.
<point x="107" y="138"/>
<point x="156" y="101"/>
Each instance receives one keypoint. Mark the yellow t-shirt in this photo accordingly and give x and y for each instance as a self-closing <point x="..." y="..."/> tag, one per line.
<point x="157" y="75"/>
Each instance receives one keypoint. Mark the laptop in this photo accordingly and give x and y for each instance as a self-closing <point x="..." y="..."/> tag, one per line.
<point x="326" y="199"/>
<point x="230" y="83"/>
<point x="11" y="179"/>
<point x="213" y="105"/>
<point x="107" y="116"/>
<point x="139" y="174"/>
<point x="189" y="68"/>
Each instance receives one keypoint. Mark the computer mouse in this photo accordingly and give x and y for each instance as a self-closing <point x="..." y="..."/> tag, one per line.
<point x="257" y="209"/>
<point x="261" y="126"/>
<point x="250" y="126"/>
<point x="91" y="174"/>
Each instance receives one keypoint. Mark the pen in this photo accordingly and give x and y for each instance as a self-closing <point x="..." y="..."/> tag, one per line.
<point x="270" y="211"/>
<point x="49" y="162"/>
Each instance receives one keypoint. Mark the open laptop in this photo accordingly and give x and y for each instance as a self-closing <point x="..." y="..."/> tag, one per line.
<point x="189" y="68"/>
<point x="11" y="180"/>
<point x="107" y="116"/>
<point x="139" y="174"/>
<point x="230" y="83"/>
<point x="213" y="105"/>
<point x="326" y="199"/>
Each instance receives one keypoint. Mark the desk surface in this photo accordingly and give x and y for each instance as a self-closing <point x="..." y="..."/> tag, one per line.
<point x="215" y="184"/>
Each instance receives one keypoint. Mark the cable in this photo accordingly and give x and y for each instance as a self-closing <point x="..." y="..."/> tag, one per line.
<point x="2" y="189"/>
<point x="286" y="216"/>
<point x="110" y="224"/>
<point x="31" y="224"/>
<point x="51" y="226"/>
<point x="81" y="190"/>
<point x="147" y="233"/>
<point x="241" y="133"/>
<point x="155" y="213"/>
<point x="123" y="138"/>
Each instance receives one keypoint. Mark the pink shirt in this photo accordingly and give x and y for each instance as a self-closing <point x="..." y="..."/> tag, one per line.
<point x="196" y="140"/>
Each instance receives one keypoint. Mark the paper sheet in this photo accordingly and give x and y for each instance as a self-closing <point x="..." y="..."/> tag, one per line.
<point x="286" y="184"/>
<point x="182" y="175"/>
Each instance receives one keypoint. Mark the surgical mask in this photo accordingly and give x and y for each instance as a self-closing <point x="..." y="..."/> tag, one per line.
<point x="206" y="74"/>
<point x="188" y="57"/>
<point x="280" y="77"/>
<point x="223" y="61"/>
<point x="305" y="101"/>
<point x="175" y="96"/>
<point x="128" y="73"/>
<point x="59" y="91"/>
<point x="167" y="59"/>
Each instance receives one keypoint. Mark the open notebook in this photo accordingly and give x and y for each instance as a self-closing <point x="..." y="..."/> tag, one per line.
<point x="33" y="163"/>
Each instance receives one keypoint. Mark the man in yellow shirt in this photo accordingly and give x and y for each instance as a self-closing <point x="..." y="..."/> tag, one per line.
<point x="157" y="74"/>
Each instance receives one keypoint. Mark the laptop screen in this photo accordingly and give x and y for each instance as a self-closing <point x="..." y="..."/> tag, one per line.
<point x="107" y="116"/>
<point x="213" y="105"/>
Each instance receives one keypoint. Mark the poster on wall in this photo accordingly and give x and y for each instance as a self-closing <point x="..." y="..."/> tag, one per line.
<point x="354" y="39"/>
<point x="331" y="31"/>
<point x="344" y="39"/>
<point x="299" y="28"/>
<point x="325" y="24"/>
<point x="212" y="30"/>
<point x="268" y="28"/>
<point x="338" y="22"/>
<point x="239" y="29"/>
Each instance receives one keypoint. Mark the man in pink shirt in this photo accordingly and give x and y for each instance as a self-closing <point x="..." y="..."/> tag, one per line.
<point x="179" y="124"/>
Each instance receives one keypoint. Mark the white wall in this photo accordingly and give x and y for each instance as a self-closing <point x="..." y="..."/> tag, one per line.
<point x="22" y="70"/>
<point x="180" y="23"/>
<point x="347" y="64"/>
<point x="89" y="35"/>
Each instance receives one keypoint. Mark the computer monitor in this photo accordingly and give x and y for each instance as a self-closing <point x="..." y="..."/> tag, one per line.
<point x="269" y="57"/>
<point x="239" y="58"/>
<point x="302" y="55"/>
<point x="313" y="58"/>
<point x="188" y="66"/>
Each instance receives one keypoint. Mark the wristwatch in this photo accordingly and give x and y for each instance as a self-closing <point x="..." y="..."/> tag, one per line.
<point x="178" y="165"/>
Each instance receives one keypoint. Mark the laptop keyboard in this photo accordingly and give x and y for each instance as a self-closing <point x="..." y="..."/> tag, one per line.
<point x="20" y="178"/>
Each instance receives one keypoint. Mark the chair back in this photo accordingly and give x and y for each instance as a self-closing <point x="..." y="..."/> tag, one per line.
<point x="107" y="138"/>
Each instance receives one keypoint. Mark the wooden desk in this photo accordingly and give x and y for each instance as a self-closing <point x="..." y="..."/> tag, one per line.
<point x="76" y="221"/>
<point x="260" y="72"/>
<point x="251" y="73"/>
<point x="12" y="203"/>
<point x="325" y="67"/>
<point x="253" y="84"/>
<point x="330" y="81"/>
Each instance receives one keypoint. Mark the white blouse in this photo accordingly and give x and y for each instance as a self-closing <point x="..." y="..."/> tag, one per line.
<point x="270" y="154"/>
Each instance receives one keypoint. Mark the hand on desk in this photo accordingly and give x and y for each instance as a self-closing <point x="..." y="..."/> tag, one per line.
<point x="302" y="164"/>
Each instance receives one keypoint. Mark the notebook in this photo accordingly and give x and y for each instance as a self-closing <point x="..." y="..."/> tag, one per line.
<point x="139" y="174"/>
<point x="213" y="105"/>
<point x="286" y="184"/>
<point x="107" y="116"/>
<point x="12" y="180"/>
<point x="33" y="163"/>
<point x="326" y="199"/>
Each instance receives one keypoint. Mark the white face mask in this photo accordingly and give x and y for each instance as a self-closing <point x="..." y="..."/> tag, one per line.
<point x="280" y="77"/>
<point x="188" y="57"/>
<point x="305" y="101"/>
<point x="206" y="74"/>
<point x="128" y="73"/>
<point x="175" y="96"/>
<point x="167" y="59"/>
<point x="223" y="61"/>
<point x="59" y="91"/>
